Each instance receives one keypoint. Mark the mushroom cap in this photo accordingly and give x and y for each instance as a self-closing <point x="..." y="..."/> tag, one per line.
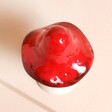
<point x="58" y="55"/>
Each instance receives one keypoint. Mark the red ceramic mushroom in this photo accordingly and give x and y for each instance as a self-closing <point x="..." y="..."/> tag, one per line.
<point x="57" y="56"/>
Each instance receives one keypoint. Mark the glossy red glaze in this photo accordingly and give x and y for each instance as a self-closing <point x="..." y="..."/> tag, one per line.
<point x="58" y="55"/>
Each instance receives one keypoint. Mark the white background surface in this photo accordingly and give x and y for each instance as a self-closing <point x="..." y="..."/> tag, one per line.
<point x="19" y="92"/>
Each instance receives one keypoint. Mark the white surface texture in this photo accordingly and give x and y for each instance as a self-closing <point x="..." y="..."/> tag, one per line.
<point x="18" y="91"/>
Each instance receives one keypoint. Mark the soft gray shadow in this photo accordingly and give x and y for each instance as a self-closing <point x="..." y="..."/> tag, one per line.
<point x="29" y="98"/>
<point x="13" y="29"/>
